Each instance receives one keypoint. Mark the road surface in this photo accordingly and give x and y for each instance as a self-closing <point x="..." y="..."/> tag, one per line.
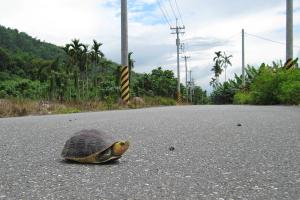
<point x="213" y="157"/>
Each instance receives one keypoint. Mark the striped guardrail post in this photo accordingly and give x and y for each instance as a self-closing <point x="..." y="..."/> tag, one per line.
<point x="289" y="63"/>
<point x="125" y="84"/>
<point x="179" y="101"/>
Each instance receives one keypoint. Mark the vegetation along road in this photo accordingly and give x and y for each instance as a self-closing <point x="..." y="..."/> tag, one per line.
<point x="188" y="152"/>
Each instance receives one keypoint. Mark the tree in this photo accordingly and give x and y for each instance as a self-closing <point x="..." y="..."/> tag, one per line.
<point x="78" y="53"/>
<point x="217" y="68"/>
<point x="96" y="50"/>
<point x="83" y="67"/>
<point x="158" y="83"/>
<point x="96" y="53"/>
<point x="4" y="60"/>
<point x="221" y="61"/>
<point x="225" y="61"/>
<point x="199" y="96"/>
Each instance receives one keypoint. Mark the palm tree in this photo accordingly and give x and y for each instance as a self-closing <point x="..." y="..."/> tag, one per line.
<point x="83" y="65"/>
<point x="96" y="49"/>
<point x="75" y="50"/>
<point x="213" y="82"/>
<point x="96" y="53"/>
<point x="217" y="68"/>
<point x="78" y="54"/>
<point x="67" y="50"/>
<point x="225" y="61"/>
<point x="70" y="66"/>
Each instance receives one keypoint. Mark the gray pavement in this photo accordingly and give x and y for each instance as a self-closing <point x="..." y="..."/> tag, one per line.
<point x="213" y="157"/>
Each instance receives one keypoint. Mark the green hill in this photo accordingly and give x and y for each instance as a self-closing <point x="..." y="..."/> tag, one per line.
<point x="14" y="42"/>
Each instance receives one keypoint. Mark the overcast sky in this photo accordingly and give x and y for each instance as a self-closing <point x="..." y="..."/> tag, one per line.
<point x="211" y="26"/>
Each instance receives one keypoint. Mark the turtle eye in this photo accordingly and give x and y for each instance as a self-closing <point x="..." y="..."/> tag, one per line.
<point x="122" y="143"/>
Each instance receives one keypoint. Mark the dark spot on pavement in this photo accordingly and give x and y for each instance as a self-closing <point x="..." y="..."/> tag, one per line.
<point x="171" y="148"/>
<point x="239" y="124"/>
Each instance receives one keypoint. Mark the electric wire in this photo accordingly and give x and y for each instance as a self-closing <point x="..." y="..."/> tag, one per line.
<point x="163" y="12"/>
<point x="173" y="11"/>
<point x="179" y="12"/>
<point x="266" y="39"/>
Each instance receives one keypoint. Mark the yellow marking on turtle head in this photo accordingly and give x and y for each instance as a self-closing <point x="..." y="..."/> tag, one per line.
<point x="120" y="147"/>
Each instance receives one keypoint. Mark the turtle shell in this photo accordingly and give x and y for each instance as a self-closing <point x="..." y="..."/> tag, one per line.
<point x="85" y="143"/>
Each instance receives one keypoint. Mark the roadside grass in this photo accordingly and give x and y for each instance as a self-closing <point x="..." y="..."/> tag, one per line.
<point x="159" y="101"/>
<point x="22" y="107"/>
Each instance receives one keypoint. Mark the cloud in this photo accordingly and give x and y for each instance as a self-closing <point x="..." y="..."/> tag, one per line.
<point x="203" y="43"/>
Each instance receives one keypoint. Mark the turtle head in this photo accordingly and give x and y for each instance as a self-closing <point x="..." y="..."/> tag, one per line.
<point x="120" y="147"/>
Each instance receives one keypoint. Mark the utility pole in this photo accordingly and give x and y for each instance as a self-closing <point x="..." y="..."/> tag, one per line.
<point x="124" y="33"/>
<point x="186" y="77"/>
<point x="190" y="88"/>
<point x="124" y="53"/>
<point x="289" y="29"/>
<point x="178" y="30"/>
<point x="243" y="57"/>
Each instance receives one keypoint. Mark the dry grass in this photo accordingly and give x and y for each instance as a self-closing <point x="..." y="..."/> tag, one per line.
<point x="21" y="107"/>
<point x="11" y="108"/>
<point x="17" y="107"/>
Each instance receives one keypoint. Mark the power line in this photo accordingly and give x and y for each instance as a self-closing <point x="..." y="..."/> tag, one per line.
<point x="164" y="14"/>
<point x="167" y="13"/>
<point x="266" y="39"/>
<point x="173" y="11"/>
<point x="179" y="12"/>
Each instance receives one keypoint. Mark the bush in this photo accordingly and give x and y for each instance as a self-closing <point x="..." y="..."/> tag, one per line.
<point x="157" y="101"/>
<point x="22" y="88"/>
<point x="166" y="101"/>
<point x="290" y="92"/>
<point x="279" y="86"/>
<point x="242" y="98"/>
<point x="3" y="94"/>
<point x="264" y="89"/>
<point x="269" y="85"/>
<point x="223" y="93"/>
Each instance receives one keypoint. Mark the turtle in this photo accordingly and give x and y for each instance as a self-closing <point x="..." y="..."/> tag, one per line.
<point x="93" y="146"/>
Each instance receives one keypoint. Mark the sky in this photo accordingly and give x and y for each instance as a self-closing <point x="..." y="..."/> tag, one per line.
<point x="210" y="26"/>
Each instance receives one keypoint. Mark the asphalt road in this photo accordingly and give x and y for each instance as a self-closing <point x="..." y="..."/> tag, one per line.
<point x="213" y="157"/>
